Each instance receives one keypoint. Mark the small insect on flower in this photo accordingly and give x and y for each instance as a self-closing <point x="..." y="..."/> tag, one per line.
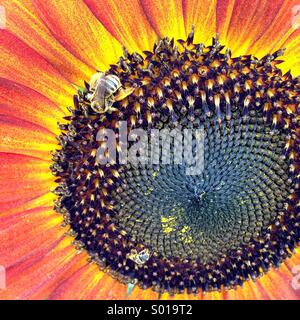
<point x="105" y="91"/>
<point x="139" y="257"/>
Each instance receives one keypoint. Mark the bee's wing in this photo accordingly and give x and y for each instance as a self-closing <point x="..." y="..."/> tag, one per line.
<point x="95" y="80"/>
<point x="99" y="95"/>
<point x="143" y="252"/>
<point x="101" y="92"/>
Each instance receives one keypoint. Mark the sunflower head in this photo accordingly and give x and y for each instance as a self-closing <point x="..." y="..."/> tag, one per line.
<point x="154" y="225"/>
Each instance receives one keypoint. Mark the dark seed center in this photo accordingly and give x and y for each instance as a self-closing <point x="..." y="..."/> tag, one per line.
<point x="243" y="186"/>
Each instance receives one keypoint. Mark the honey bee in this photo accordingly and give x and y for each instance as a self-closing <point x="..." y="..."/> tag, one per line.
<point x="106" y="90"/>
<point x="139" y="257"/>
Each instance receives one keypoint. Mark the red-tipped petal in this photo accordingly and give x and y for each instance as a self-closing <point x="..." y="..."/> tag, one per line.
<point x="166" y="17"/>
<point x="23" y="178"/>
<point x="79" y="31"/>
<point x="126" y="21"/>
<point x="26" y="104"/>
<point x="22" y="137"/>
<point x="22" y="20"/>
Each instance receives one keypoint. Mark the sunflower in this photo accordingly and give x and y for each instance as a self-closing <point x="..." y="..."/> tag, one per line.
<point x="69" y="226"/>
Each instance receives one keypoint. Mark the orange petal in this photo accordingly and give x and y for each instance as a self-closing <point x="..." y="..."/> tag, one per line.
<point x="79" y="31"/>
<point x="26" y="104"/>
<point x="22" y="20"/>
<point x="46" y="200"/>
<point x="22" y="137"/>
<point x="23" y="178"/>
<point x="294" y="260"/>
<point x="106" y="289"/>
<point x="215" y="295"/>
<point x="201" y="14"/>
<point x="224" y="10"/>
<point x="255" y="27"/>
<point x="139" y="294"/>
<point x="126" y="21"/>
<point x="89" y="283"/>
<point x="166" y="17"/>
<point x="277" y="285"/>
<point x="277" y="26"/>
<point x="249" y="291"/>
<point x="23" y="65"/>
<point x="22" y="231"/>
<point x="77" y="284"/>
<point x="241" y="22"/>
<point x="292" y="55"/>
<point x="36" y="277"/>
